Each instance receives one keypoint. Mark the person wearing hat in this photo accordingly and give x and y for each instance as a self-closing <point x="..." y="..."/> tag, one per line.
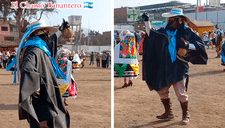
<point x="125" y="59"/>
<point x="219" y="40"/>
<point x="166" y="53"/>
<point x="98" y="58"/>
<point x="40" y="101"/>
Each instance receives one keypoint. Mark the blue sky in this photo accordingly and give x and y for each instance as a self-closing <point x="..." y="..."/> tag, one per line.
<point x="98" y="18"/>
<point x="133" y="3"/>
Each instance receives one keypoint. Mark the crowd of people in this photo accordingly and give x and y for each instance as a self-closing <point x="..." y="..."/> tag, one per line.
<point x="79" y="58"/>
<point x="6" y="57"/>
<point x="214" y="38"/>
<point x="103" y="58"/>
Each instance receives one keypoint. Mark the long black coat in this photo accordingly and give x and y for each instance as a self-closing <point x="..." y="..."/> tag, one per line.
<point x="158" y="70"/>
<point x="37" y="73"/>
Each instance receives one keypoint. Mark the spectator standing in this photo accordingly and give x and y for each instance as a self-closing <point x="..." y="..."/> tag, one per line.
<point x="104" y="58"/>
<point x="107" y="60"/>
<point x="82" y="57"/>
<point x="98" y="57"/>
<point x="92" y="58"/>
<point x="5" y="58"/>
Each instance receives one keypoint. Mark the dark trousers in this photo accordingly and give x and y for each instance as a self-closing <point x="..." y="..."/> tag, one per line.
<point x="98" y="63"/>
<point x="107" y="63"/>
<point x="104" y="63"/>
<point x="92" y="62"/>
<point x="5" y="62"/>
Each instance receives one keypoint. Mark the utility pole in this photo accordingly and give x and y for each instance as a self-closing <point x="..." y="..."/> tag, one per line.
<point x="217" y="17"/>
<point x="89" y="38"/>
<point x="206" y="10"/>
<point x="196" y="18"/>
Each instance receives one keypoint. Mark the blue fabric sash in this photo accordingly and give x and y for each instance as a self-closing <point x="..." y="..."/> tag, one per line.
<point x="223" y="57"/>
<point x="39" y="43"/>
<point x="31" y="29"/>
<point x="10" y="65"/>
<point x="222" y="53"/>
<point x="172" y="45"/>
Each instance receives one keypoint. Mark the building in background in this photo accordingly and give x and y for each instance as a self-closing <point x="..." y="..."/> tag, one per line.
<point x="125" y="17"/>
<point x="130" y="17"/>
<point x="214" y="2"/>
<point x="155" y="10"/>
<point x="99" y="40"/>
<point x="201" y="26"/>
<point x="212" y="11"/>
<point x="95" y="43"/>
<point x="9" y="35"/>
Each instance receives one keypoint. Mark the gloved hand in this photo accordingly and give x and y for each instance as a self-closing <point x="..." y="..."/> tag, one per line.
<point x="145" y="16"/>
<point x="37" y="93"/>
<point x="183" y="43"/>
<point x="64" y="25"/>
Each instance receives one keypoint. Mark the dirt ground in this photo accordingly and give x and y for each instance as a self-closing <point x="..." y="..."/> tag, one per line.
<point x="137" y="107"/>
<point x="91" y="109"/>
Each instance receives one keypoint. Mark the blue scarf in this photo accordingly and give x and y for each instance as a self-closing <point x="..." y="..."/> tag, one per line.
<point x="223" y="57"/>
<point x="172" y="45"/>
<point x="38" y="42"/>
<point x="31" y="29"/>
<point x="222" y="53"/>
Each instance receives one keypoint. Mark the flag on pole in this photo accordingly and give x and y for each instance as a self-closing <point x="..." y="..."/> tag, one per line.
<point x="88" y="4"/>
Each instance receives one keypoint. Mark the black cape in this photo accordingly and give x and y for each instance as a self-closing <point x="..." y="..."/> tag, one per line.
<point x="158" y="70"/>
<point x="37" y="72"/>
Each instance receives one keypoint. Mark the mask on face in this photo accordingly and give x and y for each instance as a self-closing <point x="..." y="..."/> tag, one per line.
<point x="169" y="26"/>
<point x="46" y="39"/>
<point x="175" y="23"/>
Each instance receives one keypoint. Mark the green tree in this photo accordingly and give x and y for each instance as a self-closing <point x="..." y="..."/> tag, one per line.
<point x="93" y="33"/>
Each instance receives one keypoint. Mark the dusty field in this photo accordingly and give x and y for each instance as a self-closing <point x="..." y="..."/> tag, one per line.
<point x="136" y="107"/>
<point x="91" y="109"/>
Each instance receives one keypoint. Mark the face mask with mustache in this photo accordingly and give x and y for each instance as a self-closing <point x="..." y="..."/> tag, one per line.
<point x="46" y="39"/>
<point x="175" y="24"/>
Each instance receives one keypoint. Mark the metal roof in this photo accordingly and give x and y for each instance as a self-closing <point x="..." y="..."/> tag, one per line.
<point x="161" y="5"/>
<point x="202" y="23"/>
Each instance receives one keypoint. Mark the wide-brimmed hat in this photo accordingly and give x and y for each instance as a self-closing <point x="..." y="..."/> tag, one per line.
<point x="38" y="25"/>
<point x="175" y="12"/>
<point x="42" y="26"/>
